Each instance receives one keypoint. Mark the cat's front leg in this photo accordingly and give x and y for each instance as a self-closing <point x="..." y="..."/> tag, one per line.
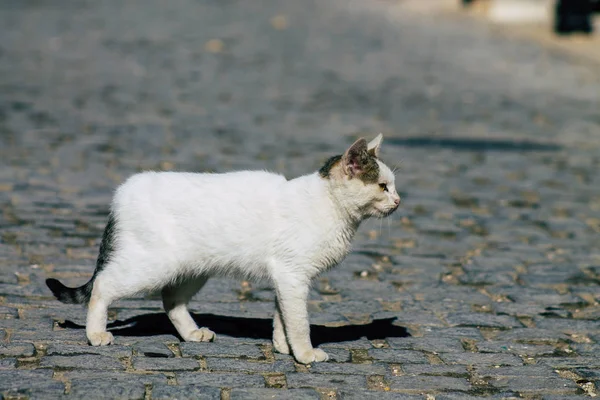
<point x="292" y="296"/>
<point x="279" y="340"/>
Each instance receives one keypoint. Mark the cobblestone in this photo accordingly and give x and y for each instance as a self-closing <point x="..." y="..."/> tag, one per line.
<point x="483" y="320"/>
<point x="456" y="333"/>
<point x="457" y="371"/>
<point x="209" y="350"/>
<point x="371" y="395"/>
<point x="358" y="369"/>
<point x="300" y="380"/>
<point x="107" y="390"/>
<point x="481" y="359"/>
<point x="110" y="376"/>
<point x="17" y="349"/>
<point x="259" y="394"/>
<point x="536" y="385"/>
<point x="420" y="384"/>
<point x="515" y="348"/>
<point x="59" y="349"/>
<point x="82" y="362"/>
<point x="483" y="284"/>
<point x="432" y="344"/>
<point x="8" y="363"/>
<point x="153" y="349"/>
<point x="337" y="354"/>
<point x="398" y="356"/>
<point x="220" y="380"/>
<point x="186" y="392"/>
<point x="520" y="371"/>
<point x="533" y="335"/>
<point x="29" y="382"/>
<point x="163" y="364"/>
<point x="571" y="362"/>
<point x="51" y="389"/>
<point x="227" y="364"/>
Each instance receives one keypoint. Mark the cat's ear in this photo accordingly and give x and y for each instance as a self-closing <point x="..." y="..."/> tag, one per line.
<point x="355" y="158"/>
<point x="374" y="146"/>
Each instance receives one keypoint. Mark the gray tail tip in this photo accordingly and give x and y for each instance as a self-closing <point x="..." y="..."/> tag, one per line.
<point x="61" y="292"/>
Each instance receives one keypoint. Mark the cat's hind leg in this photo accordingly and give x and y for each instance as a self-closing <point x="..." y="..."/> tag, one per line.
<point x="95" y="327"/>
<point x="175" y="300"/>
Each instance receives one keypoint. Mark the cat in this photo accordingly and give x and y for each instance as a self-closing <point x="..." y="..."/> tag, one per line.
<point x="171" y="231"/>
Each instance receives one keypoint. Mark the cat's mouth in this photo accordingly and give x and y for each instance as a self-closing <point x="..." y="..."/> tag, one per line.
<point x="387" y="212"/>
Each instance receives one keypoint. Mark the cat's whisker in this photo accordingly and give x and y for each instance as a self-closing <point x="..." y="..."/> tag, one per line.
<point x="396" y="167"/>
<point x="389" y="227"/>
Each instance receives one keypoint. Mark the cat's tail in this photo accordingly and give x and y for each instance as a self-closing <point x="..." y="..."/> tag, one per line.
<point x="82" y="294"/>
<point x="67" y="295"/>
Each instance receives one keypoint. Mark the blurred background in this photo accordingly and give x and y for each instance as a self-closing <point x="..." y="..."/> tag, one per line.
<point x="489" y="109"/>
<point x="570" y="25"/>
<point x="490" y="112"/>
<point x="209" y="85"/>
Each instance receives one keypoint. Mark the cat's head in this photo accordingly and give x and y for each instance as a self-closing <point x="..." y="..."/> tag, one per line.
<point x="361" y="182"/>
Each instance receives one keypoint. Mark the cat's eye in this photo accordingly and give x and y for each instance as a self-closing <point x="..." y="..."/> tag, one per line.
<point x="383" y="187"/>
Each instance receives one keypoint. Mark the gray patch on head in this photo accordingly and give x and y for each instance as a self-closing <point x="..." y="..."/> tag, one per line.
<point x="368" y="164"/>
<point x="370" y="168"/>
<point x="325" y="171"/>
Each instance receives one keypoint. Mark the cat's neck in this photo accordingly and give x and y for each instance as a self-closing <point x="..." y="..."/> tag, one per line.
<point x="323" y="225"/>
<point x="345" y="207"/>
<point x="327" y="199"/>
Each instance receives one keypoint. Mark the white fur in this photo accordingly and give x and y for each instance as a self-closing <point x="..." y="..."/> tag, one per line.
<point x="175" y="230"/>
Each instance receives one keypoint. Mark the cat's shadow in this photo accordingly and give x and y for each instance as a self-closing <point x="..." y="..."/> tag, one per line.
<point x="256" y="328"/>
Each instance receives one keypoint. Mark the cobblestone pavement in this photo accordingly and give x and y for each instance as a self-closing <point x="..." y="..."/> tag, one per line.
<point x="486" y="283"/>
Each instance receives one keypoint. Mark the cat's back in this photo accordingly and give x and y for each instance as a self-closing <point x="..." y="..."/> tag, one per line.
<point x="198" y="188"/>
<point x="189" y="180"/>
<point x="193" y="216"/>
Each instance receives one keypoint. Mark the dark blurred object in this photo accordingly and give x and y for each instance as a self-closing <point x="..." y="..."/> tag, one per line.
<point x="570" y="16"/>
<point x="574" y="16"/>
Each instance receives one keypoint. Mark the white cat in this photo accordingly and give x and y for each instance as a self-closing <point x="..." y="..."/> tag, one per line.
<point x="171" y="231"/>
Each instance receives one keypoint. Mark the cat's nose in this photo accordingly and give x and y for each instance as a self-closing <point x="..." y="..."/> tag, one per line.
<point x="397" y="200"/>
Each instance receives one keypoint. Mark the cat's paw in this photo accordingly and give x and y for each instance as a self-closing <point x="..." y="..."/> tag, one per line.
<point x="281" y="346"/>
<point x="201" y="335"/>
<point x="311" y="355"/>
<point x="100" y="338"/>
